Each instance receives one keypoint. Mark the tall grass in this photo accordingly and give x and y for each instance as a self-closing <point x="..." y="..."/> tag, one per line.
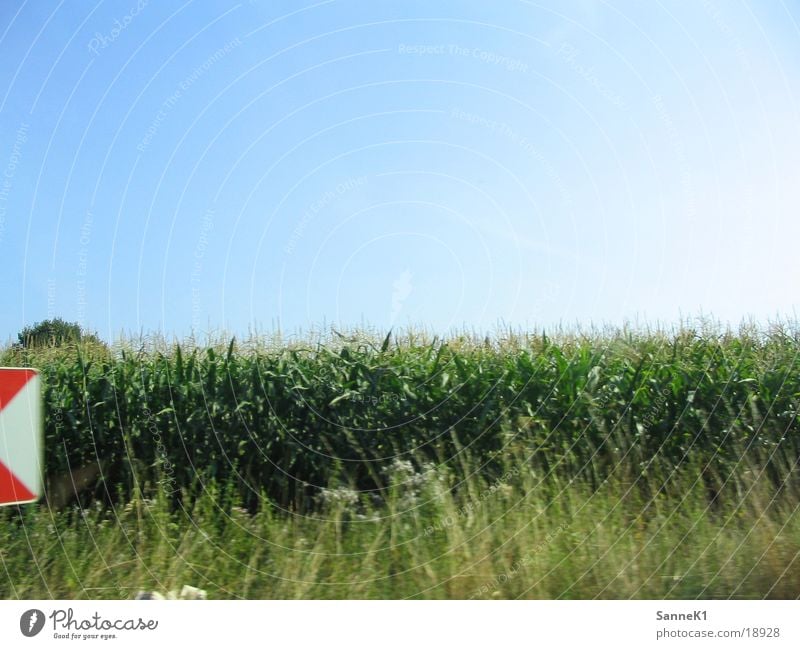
<point x="523" y="535"/>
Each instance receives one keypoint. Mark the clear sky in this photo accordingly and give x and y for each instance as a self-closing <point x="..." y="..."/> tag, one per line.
<point x="175" y="167"/>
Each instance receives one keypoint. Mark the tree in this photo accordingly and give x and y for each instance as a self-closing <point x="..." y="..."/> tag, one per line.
<point x="53" y="333"/>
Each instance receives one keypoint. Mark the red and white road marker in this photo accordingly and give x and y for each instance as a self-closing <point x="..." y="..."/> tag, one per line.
<point x="21" y="436"/>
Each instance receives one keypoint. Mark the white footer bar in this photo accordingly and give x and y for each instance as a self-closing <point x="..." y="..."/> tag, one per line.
<point x="401" y="625"/>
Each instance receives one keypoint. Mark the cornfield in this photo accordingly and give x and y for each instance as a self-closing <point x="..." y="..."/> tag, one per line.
<point x="617" y="464"/>
<point x="285" y="420"/>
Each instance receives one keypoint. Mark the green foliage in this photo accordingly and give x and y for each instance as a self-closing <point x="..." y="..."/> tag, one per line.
<point x="615" y="465"/>
<point x="289" y="419"/>
<point x="55" y="332"/>
<point x="521" y="535"/>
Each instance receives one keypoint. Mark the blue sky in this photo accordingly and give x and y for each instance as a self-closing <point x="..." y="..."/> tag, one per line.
<point x="191" y="167"/>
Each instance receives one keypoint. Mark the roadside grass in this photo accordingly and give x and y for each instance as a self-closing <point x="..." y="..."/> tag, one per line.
<point x="438" y="534"/>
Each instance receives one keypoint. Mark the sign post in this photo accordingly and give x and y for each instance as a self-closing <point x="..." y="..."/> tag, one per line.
<point x="21" y="436"/>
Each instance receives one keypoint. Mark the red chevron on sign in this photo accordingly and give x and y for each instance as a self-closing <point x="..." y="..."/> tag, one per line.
<point x="21" y="428"/>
